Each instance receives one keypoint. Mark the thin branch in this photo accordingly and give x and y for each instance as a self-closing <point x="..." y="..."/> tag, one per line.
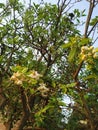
<point x="60" y="10"/>
<point x="93" y="33"/>
<point x="95" y="40"/>
<point x="92" y="28"/>
<point x="91" y="7"/>
<point x="58" y="4"/>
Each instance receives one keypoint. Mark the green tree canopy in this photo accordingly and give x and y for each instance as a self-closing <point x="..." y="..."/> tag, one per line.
<point x="43" y="58"/>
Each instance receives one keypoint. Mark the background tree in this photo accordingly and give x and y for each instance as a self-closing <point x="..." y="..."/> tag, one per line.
<point x="44" y="57"/>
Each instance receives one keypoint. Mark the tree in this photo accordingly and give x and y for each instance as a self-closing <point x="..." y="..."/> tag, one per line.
<point x="44" y="57"/>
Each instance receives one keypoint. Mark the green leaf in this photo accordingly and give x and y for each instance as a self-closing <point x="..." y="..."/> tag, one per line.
<point x="24" y="70"/>
<point x="94" y="20"/>
<point x="78" y="20"/>
<point x="2" y="5"/>
<point x="19" y="69"/>
<point x="32" y="91"/>
<point x="77" y="12"/>
<point x="64" y="88"/>
<point x="96" y="64"/>
<point x="1" y="58"/>
<point x="71" y="85"/>
<point x="53" y="84"/>
<point x="72" y="54"/>
<point x="89" y="77"/>
<point x="43" y="110"/>
<point x="84" y="41"/>
<point x="61" y="103"/>
<point x="95" y="72"/>
<point x="66" y="45"/>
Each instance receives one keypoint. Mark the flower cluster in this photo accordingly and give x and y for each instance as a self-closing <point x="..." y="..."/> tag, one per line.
<point x="43" y="90"/>
<point x="87" y="53"/>
<point x="20" y="77"/>
<point x="26" y="79"/>
<point x="17" y="78"/>
<point x="34" y="75"/>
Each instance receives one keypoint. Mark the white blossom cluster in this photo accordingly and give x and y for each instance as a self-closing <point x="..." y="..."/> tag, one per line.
<point x="35" y="75"/>
<point x="19" y="77"/>
<point x="16" y="77"/>
<point x="43" y="90"/>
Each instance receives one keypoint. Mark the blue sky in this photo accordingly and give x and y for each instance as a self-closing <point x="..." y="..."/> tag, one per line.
<point x="79" y="5"/>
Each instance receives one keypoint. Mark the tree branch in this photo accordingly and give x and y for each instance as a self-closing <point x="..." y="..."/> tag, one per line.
<point x="87" y="112"/>
<point x="77" y="71"/>
<point x="91" y="7"/>
<point x="92" y="28"/>
<point x="26" y="109"/>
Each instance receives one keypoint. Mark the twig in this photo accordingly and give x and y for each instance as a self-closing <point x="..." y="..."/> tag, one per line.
<point x="92" y="28"/>
<point x="95" y="40"/>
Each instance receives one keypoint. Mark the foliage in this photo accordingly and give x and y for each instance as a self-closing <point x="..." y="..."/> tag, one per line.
<point x="43" y="58"/>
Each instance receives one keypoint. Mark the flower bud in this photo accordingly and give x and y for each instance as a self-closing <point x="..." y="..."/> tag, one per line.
<point x="95" y="56"/>
<point x="91" y="47"/>
<point x="83" y="48"/>
<point x="83" y="57"/>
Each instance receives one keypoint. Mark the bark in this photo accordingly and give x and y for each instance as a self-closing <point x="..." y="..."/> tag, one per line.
<point x="22" y="122"/>
<point x="26" y="110"/>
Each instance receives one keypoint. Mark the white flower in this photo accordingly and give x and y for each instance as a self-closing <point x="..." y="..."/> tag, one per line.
<point x="15" y="76"/>
<point x="83" y="122"/>
<point x="95" y="56"/>
<point x="84" y="48"/>
<point x="18" y="82"/>
<point x="43" y="89"/>
<point x="42" y="85"/>
<point x="34" y="75"/>
<point x="91" y="47"/>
